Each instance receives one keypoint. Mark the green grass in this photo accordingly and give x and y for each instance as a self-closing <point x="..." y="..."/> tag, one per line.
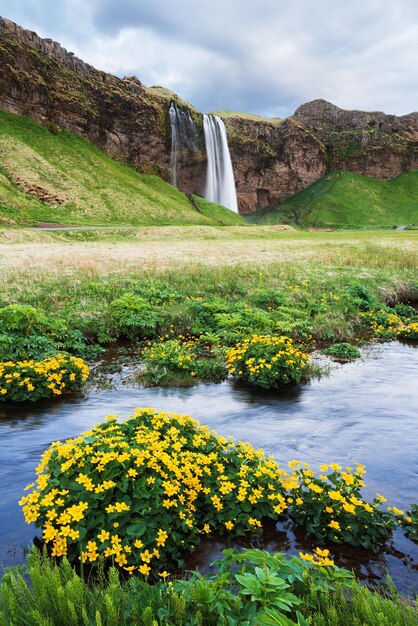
<point x="79" y="278"/>
<point x="55" y="594"/>
<point x="276" y="121"/>
<point x="79" y="184"/>
<point x="348" y="199"/>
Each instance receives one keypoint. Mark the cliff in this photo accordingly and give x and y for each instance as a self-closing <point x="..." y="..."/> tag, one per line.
<point x="40" y="79"/>
<point x="272" y="159"/>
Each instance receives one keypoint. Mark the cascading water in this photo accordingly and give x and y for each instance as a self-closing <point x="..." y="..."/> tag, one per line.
<point x="183" y="137"/>
<point x="220" y="184"/>
<point x="174" y="142"/>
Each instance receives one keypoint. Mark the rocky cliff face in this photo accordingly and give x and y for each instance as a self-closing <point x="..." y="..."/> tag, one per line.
<point x="40" y="79"/>
<point x="272" y="159"/>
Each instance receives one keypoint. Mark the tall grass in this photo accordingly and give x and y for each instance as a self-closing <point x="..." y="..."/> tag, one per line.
<point x="45" y="594"/>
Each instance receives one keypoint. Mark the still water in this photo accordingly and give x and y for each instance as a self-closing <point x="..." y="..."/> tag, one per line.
<point x="364" y="411"/>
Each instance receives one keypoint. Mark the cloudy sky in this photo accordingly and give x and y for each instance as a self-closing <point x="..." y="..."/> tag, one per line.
<point x="258" y="56"/>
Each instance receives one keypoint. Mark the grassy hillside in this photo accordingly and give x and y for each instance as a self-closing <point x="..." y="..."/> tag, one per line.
<point x="60" y="177"/>
<point x="276" y="121"/>
<point x="348" y="199"/>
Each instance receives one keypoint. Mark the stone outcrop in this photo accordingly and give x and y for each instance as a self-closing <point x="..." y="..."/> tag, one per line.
<point x="272" y="159"/>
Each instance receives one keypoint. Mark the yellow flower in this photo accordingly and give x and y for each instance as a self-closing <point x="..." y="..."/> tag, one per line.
<point x="121" y="559"/>
<point x="162" y="537"/>
<point x="229" y="525"/>
<point x="146" y="556"/>
<point x="103" y="535"/>
<point x="144" y="569"/>
<point x="334" y="524"/>
<point x="395" y="511"/>
<point x="350" y="508"/>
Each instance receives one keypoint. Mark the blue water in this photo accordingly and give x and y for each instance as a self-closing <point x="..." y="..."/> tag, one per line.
<point x="364" y="411"/>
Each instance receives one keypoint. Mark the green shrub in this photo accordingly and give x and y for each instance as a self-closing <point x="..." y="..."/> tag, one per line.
<point x="268" y="299"/>
<point x="132" y="316"/>
<point x="229" y="321"/>
<point x="405" y="311"/>
<point x="32" y="380"/>
<point x="360" y="297"/>
<point x="26" y="333"/>
<point x="267" y="361"/>
<point x="172" y="360"/>
<point x="343" y="351"/>
<point x="204" y="312"/>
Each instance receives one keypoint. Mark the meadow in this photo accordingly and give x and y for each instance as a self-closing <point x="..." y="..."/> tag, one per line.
<point x="200" y="304"/>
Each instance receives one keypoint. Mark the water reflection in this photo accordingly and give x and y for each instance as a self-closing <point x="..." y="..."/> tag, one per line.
<point x="363" y="411"/>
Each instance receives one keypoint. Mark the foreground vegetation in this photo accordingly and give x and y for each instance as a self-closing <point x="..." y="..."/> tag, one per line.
<point x="52" y="175"/>
<point x="344" y="199"/>
<point x="250" y="588"/>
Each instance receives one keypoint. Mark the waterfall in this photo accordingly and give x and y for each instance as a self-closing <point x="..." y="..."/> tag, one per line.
<point x="174" y="123"/>
<point x="183" y="137"/>
<point x="220" y="184"/>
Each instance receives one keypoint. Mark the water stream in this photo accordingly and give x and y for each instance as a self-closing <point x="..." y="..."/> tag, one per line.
<point x="364" y="411"/>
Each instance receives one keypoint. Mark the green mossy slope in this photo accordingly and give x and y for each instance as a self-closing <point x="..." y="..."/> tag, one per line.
<point x="347" y="199"/>
<point x="60" y="177"/>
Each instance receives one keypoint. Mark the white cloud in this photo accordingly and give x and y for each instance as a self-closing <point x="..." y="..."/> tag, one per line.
<point x="265" y="57"/>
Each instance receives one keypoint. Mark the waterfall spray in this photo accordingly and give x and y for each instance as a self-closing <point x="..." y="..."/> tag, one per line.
<point x="220" y="184"/>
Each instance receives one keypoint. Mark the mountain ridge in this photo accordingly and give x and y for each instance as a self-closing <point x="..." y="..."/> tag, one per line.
<point x="272" y="160"/>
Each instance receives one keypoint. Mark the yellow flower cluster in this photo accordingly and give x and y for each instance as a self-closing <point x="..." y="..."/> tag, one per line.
<point x="172" y="351"/>
<point x="30" y="380"/>
<point x="141" y="492"/>
<point x="383" y="323"/>
<point x="344" y="515"/>
<point x="320" y="558"/>
<point x="409" y="331"/>
<point x="266" y="360"/>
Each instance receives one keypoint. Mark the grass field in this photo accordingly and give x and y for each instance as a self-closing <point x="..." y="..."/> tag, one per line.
<point x="187" y="248"/>
<point x="78" y="273"/>
<point x="60" y="177"/>
<point x="348" y="199"/>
